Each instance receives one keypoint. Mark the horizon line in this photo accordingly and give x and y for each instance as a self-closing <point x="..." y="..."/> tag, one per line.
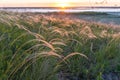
<point x="50" y="6"/>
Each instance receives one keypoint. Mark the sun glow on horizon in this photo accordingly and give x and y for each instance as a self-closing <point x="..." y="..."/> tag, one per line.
<point x="63" y="5"/>
<point x="58" y="3"/>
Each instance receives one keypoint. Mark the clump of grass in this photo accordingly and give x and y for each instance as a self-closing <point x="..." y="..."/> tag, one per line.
<point x="39" y="46"/>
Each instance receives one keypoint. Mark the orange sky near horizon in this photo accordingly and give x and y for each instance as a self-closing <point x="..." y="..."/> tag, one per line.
<point x="57" y="3"/>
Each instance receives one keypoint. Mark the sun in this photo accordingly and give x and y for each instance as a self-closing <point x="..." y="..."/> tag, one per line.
<point x="63" y="5"/>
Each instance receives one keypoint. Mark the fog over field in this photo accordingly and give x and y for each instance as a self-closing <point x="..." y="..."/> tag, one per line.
<point x="111" y="14"/>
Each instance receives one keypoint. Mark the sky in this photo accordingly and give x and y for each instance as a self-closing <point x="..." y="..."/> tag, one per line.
<point x="57" y="3"/>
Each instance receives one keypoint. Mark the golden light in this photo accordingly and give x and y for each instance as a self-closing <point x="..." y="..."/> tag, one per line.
<point x="63" y="5"/>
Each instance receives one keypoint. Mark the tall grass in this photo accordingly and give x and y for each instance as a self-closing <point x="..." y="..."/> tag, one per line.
<point x="44" y="47"/>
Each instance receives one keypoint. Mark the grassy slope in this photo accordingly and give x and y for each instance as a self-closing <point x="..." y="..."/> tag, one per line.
<point x="38" y="47"/>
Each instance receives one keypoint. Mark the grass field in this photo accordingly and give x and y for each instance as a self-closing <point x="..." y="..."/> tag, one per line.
<point x="47" y="47"/>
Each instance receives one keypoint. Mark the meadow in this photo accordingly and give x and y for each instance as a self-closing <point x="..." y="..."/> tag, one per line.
<point x="36" y="46"/>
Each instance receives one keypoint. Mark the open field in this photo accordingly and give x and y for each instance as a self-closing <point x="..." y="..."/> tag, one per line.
<point x="107" y="18"/>
<point x="37" y="46"/>
<point x="112" y="18"/>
